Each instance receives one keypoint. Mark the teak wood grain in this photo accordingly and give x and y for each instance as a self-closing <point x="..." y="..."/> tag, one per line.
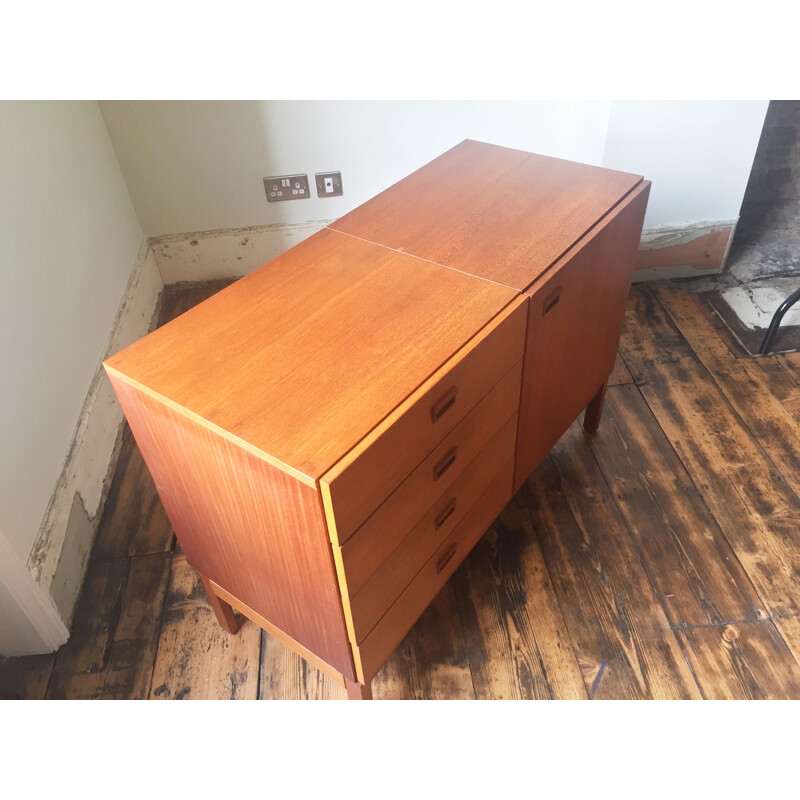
<point x="340" y="390"/>
<point x="299" y="360"/>
<point x="355" y="485"/>
<point x="391" y="577"/>
<point x="134" y="522"/>
<point x="574" y="320"/>
<point x="498" y="213"/>
<point x="364" y="559"/>
<point x="431" y="480"/>
<point x="244" y="523"/>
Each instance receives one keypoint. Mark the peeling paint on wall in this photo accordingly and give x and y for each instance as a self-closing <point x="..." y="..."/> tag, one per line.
<point x="59" y="555"/>
<point x="229" y="253"/>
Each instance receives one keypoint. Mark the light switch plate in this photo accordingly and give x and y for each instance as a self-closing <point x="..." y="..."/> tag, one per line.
<point x="286" y="187"/>
<point x="329" y="184"/>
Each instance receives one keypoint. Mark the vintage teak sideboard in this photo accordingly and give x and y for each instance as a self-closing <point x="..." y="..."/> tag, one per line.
<point x="332" y="434"/>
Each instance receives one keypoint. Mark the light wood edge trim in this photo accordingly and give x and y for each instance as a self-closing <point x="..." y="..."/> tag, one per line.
<point x="343" y="463"/>
<point x="282" y="637"/>
<point x="641" y="188"/>
<point x="241" y="443"/>
<point x="344" y="591"/>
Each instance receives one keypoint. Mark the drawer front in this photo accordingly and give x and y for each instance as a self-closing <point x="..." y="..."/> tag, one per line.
<point x="374" y="585"/>
<point x="399" y="619"/>
<point x="428" y="484"/>
<point x="354" y="487"/>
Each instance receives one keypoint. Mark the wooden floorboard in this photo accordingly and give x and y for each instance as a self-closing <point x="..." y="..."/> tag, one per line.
<point x="741" y="381"/>
<point x="112" y="645"/>
<point x="518" y="643"/>
<point x="284" y="675"/>
<point x="695" y="571"/>
<point x="750" y="499"/>
<point x="431" y="663"/>
<point x="196" y="658"/>
<point x="25" y="677"/>
<point x="625" y="645"/>
<point x="620" y="374"/>
<point x="783" y="378"/>
<point x="742" y="661"/>
<point x="789" y="628"/>
<point x="657" y="558"/>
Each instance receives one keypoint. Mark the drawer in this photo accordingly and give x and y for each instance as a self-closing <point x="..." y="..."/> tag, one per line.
<point x="391" y="522"/>
<point x="374" y="580"/>
<point x="356" y="485"/>
<point x="437" y="570"/>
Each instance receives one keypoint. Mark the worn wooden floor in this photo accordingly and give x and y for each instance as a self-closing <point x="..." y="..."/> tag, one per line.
<point x="658" y="558"/>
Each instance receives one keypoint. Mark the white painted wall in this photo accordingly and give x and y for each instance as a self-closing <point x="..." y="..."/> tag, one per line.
<point x="698" y="154"/>
<point x="195" y="166"/>
<point x="69" y="238"/>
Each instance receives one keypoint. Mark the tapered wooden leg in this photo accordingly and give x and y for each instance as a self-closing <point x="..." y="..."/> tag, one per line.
<point x="591" y="419"/>
<point x="357" y="691"/>
<point x="225" y="616"/>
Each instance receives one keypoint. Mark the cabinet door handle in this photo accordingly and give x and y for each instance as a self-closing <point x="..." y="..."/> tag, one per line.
<point x="446" y="556"/>
<point x="551" y="300"/>
<point x="444" y="514"/>
<point x="445" y="464"/>
<point x="446" y="402"/>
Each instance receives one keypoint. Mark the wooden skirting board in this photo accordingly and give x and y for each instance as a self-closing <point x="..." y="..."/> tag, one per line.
<point x="700" y="246"/>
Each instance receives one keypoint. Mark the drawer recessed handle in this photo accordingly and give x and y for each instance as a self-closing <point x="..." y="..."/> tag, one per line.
<point x="445" y="464"/>
<point x="444" y="514"/>
<point x="551" y="301"/>
<point x="447" y="555"/>
<point x="446" y="402"/>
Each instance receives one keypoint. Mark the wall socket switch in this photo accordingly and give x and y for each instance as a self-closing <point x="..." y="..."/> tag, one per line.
<point x="329" y="184"/>
<point x="286" y="187"/>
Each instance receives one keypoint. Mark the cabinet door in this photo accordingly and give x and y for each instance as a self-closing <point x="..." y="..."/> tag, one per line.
<point x="574" y="322"/>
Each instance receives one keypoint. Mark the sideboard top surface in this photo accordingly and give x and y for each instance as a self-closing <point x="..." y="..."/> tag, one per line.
<point x="498" y="213"/>
<point x="303" y="357"/>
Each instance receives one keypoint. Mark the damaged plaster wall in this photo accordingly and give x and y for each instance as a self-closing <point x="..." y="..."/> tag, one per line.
<point x="70" y="238"/>
<point x="59" y="555"/>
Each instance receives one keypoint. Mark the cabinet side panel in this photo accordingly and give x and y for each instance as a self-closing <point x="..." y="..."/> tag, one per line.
<point x="254" y="530"/>
<point x="574" y="322"/>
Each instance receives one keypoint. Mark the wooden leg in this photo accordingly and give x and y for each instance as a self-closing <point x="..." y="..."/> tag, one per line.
<point x="225" y="616"/>
<point x="591" y="419"/>
<point x="357" y="691"/>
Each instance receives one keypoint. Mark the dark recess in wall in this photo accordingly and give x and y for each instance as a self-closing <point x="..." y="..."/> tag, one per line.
<point x="767" y="238"/>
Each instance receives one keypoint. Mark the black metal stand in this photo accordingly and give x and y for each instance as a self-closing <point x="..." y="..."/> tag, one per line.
<point x="776" y="320"/>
